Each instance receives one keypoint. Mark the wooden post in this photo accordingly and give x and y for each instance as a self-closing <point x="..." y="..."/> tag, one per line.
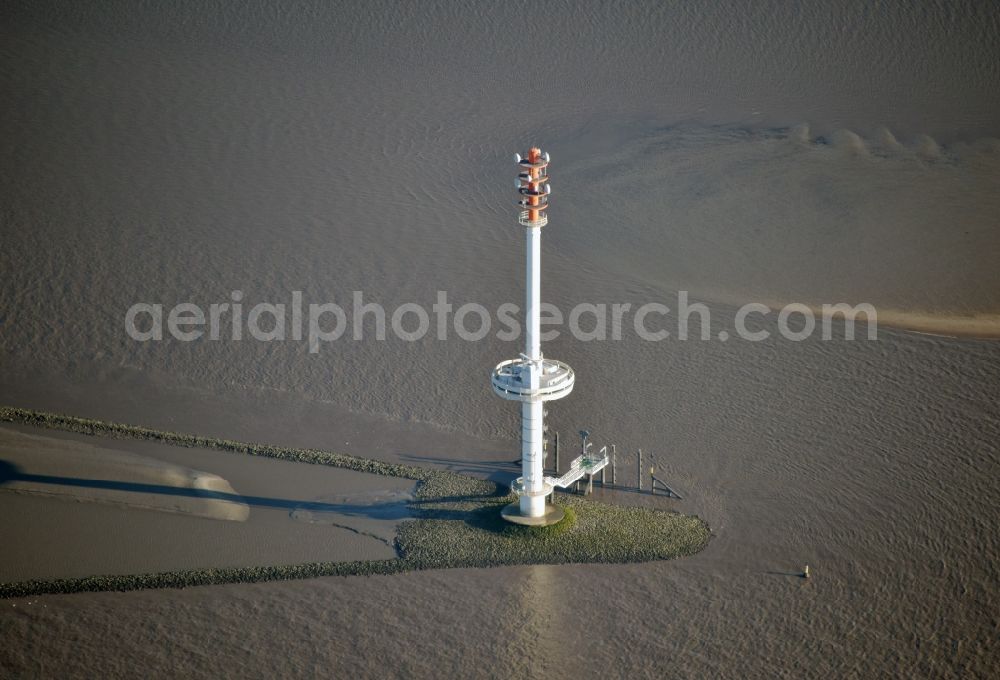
<point x="556" y="447"/>
<point x="604" y="469"/>
<point x="590" y="483"/>
<point x="667" y="489"/>
<point x="639" y="470"/>
<point x="614" y="466"/>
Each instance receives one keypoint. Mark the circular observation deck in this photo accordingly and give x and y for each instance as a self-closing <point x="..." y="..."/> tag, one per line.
<point x="511" y="380"/>
<point x="524" y="219"/>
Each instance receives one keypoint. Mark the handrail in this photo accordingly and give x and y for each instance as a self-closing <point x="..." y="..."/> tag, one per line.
<point x="524" y="219"/>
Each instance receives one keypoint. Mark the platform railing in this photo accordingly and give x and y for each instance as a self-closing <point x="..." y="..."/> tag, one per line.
<point x="524" y="219"/>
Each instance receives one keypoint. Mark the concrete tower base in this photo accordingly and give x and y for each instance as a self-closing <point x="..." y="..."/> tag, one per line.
<point x="552" y="515"/>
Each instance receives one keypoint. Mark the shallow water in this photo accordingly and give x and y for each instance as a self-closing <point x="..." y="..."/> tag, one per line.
<point x="815" y="154"/>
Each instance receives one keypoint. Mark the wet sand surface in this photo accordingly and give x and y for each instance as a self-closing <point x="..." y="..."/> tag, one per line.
<point x="78" y="506"/>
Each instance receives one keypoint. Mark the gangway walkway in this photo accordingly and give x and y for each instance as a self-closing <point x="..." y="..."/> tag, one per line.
<point x="588" y="464"/>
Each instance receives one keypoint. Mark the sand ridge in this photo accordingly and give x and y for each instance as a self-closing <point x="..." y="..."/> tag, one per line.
<point x="82" y="472"/>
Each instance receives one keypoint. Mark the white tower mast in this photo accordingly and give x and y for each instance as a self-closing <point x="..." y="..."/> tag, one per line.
<point x="532" y="379"/>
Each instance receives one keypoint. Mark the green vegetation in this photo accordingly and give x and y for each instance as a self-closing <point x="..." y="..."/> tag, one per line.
<point x="458" y="523"/>
<point x="472" y="534"/>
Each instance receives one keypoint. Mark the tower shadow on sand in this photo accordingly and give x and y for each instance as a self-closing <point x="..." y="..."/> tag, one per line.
<point x="396" y="510"/>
